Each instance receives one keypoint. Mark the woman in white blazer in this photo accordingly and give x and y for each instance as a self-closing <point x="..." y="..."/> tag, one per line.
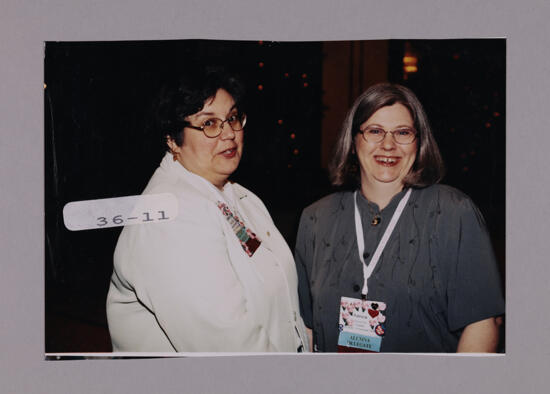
<point x="219" y="277"/>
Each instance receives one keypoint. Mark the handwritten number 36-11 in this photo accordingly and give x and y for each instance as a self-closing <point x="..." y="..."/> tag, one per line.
<point x="103" y="221"/>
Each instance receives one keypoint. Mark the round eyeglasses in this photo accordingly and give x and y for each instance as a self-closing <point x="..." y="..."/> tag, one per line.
<point x="377" y="134"/>
<point x="213" y="127"/>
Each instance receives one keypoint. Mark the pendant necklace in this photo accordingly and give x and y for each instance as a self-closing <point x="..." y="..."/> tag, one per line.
<point x="376" y="218"/>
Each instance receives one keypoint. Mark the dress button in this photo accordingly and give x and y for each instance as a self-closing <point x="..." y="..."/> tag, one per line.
<point x="356" y="288"/>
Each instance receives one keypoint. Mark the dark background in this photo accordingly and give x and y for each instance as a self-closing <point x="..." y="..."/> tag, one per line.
<point x="100" y="141"/>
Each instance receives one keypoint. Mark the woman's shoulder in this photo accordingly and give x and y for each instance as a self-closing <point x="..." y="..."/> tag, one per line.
<point x="444" y="193"/>
<point x="248" y="197"/>
<point x="447" y="198"/>
<point x="161" y="182"/>
<point x="330" y="205"/>
<point x="325" y="215"/>
<point x="193" y="217"/>
<point x="242" y="192"/>
<point x="194" y="204"/>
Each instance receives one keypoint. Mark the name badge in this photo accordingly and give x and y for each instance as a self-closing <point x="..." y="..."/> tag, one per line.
<point x="361" y="325"/>
<point x="248" y="240"/>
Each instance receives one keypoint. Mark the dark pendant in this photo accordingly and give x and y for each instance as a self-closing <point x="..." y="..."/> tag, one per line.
<point x="375" y="220"/>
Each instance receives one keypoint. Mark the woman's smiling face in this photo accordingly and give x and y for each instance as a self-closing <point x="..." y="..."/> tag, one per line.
<point x="387" y="161"/>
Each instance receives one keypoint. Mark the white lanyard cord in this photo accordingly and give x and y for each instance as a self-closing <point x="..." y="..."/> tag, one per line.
<point x="367" y="270"/>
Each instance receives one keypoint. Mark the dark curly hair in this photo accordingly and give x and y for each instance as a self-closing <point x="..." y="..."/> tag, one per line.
<point x="187" y="96"/>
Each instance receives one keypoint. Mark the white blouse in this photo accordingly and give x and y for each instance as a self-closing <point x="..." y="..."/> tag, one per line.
<point x="187" y="285"/>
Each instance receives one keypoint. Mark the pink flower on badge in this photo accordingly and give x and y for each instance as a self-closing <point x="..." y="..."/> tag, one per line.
<point x="344" y="305"/>
<point x="357" y="305"/>
<point x="382" y="306"/>
<point x="348" y="321"/>
<point x="373" y="323"/>
<point x="350" y="309"/>
<point x="345" y="317"/>
<point x="365" y="306"/>
<point x="381" y="318"/>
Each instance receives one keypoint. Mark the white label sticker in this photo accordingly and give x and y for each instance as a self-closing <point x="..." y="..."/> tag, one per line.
<point x="120" y="211"/>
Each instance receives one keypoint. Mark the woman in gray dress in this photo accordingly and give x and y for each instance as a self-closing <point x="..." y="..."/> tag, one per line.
<point x="395" y="261"/>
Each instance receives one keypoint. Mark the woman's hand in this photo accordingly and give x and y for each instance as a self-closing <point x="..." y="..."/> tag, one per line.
<point x="309" y="332"/>
<point x="480" y="337"/>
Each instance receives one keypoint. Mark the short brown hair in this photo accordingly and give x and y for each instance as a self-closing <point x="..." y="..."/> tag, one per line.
<point x="428" y="166"/>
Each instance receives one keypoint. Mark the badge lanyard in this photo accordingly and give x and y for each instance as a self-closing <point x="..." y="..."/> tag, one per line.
<point x="367" y="270"/>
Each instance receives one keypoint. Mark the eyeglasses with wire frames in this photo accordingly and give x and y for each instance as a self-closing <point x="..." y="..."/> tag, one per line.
<point x="213" y="127"/>
<point x="376" y="134"/>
